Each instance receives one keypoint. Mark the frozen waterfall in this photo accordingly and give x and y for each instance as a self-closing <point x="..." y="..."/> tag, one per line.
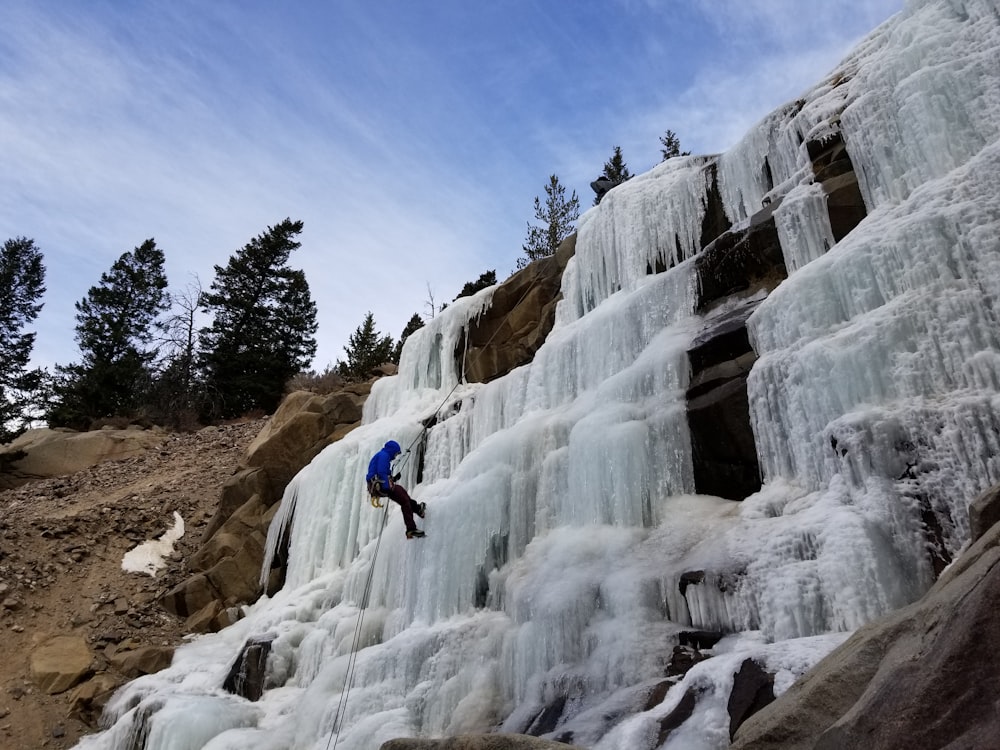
<point x="567" y="546"/>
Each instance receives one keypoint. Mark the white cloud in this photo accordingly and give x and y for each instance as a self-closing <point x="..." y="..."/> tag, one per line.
<point x="411" y="152"/>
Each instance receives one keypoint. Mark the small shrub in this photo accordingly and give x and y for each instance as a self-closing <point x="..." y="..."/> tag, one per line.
<point x="323" y="383"/>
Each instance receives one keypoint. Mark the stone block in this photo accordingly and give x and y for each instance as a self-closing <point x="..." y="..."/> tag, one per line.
<point x="61" y="662"/>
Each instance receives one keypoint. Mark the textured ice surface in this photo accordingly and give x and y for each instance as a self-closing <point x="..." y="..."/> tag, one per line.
<point x="565" y="548"/>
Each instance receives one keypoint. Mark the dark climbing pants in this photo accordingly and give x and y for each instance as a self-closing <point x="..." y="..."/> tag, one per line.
<point x="397" y="493"/>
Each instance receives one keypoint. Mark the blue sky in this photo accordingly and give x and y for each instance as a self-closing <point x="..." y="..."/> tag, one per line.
<point x="410" y="138"/>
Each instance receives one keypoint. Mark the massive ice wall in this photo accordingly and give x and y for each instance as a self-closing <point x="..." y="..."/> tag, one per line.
<point x="568" y="549"/>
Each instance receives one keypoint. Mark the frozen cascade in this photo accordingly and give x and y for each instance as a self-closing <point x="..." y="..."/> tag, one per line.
<point x="803" y="226"/>
<point x="566" y="548"/>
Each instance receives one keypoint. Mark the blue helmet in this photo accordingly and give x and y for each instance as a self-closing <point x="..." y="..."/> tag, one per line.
<point x="393" y="447"/>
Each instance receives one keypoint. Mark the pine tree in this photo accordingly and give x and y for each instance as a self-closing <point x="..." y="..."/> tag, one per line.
<point x="366" y="350"/>
<point x="115" y="325"/>
<point x="22" y="277"/>
<point x="671" y="146"/>
<point x="263" y="328"/>
<point x="414" y="324"/>
<point x="486" y="279"/>
<point x="615" y="171"/>
<point x="557" y="217"/>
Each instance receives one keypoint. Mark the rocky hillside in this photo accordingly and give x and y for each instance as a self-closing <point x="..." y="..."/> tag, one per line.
<point x="80" y="626"/>
<point x="64" y="595"/>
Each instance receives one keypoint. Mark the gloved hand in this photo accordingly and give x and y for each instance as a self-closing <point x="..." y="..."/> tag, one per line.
<point x="396" y="477"/>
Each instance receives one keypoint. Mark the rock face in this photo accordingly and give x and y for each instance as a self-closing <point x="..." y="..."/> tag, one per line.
<point x="521" y="315"/>
<point x="44" y="453"/>
<point x="226" y="568"/>
<point x="753" y="688"/>
<point x="832" y="168"/>
<point x="920" y="677"/>
<point x="736" y="269"/>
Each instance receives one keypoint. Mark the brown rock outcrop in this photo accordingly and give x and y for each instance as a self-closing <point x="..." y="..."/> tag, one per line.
<point x="521" y="315"/>
<point x="43" y="453"/>
<point x="142" y="660"/>
<point x="741" y="261"/>
<point x="227" y="565"/>
<point x="89" y="698"/>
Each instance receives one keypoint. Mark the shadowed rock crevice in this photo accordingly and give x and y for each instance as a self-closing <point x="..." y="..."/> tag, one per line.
<point x="714" y="223"/>
<point x="833" y="169"/>
<point x="724" y="453"/>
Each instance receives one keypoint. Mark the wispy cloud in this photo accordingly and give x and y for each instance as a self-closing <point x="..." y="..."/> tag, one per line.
<point x="411" y="141"/>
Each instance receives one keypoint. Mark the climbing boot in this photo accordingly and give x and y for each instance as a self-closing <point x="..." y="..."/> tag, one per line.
<point x="420" y="509"/>
<point x="414" y="534"/>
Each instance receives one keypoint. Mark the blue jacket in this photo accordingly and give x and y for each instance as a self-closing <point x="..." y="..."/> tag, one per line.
<point x="381" y="464"/>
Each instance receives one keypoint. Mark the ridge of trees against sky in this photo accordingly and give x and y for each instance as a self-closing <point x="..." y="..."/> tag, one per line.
<point x="143" y="355"/>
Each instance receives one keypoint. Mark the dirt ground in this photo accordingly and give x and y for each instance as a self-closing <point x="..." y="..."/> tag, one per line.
<point x="61" y="546"/>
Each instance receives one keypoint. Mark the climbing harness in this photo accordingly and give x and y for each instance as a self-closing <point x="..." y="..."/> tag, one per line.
<point x="376" y="493"/>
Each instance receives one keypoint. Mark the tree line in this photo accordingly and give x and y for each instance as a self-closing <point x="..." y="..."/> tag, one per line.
<point x="558" y="214"/>
<point x="143" y="354"/>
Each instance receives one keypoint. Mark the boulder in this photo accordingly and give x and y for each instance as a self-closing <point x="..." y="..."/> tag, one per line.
<point x="60" y="662"/>
<point x="44" y="453"/>
<point x="142" y="660"/>
<point x="475" y="742"/>
<point x="236" y="579"/>
<point x="299" y="430"/>
<point x="204" y="619"/>
<point x="89" y="698"/>
<point x="189" y="596"/>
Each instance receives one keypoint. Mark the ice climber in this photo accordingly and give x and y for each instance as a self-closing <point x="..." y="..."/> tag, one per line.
<point x="382" y="483"/>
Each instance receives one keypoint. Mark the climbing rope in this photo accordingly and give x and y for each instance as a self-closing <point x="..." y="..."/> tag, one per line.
<point x="356" y="642"/>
